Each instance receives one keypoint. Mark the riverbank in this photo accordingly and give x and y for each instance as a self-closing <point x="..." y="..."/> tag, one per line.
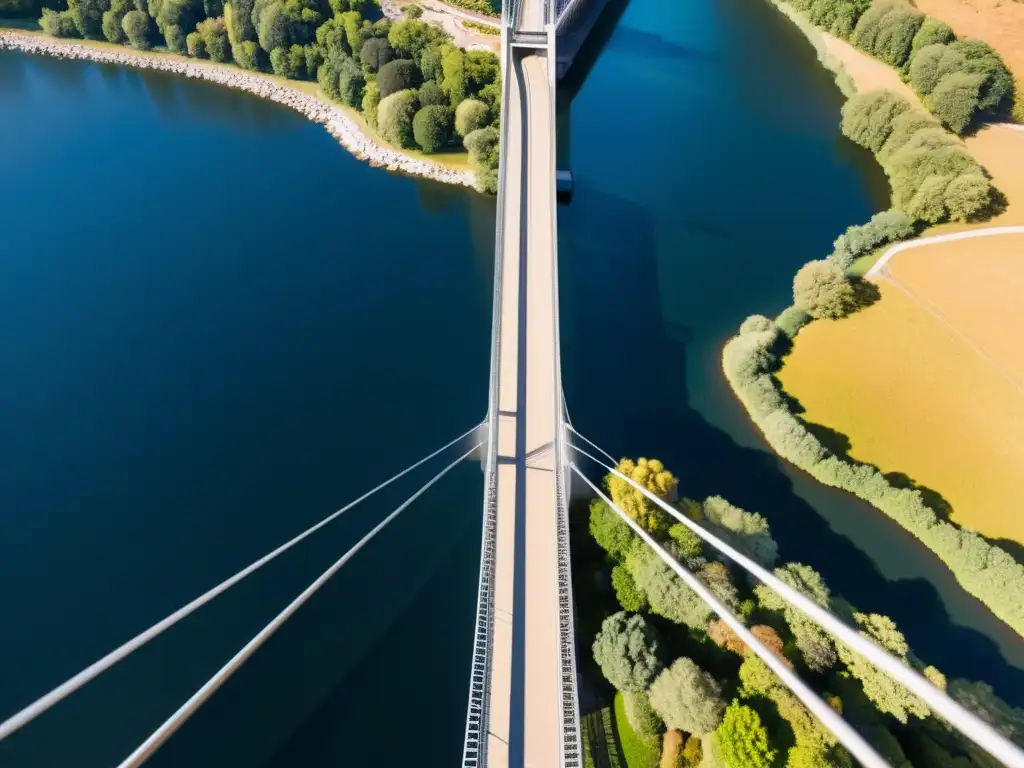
<point x="336" y="120"/>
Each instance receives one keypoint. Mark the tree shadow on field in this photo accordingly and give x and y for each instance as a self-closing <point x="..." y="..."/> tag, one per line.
<point x="865" y="293"/>
<point x="832" y="439"/>
<point x="625" y="378"/>
<point x="932" y="498"/>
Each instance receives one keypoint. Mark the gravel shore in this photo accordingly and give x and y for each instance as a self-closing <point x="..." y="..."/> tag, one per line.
<point x="333" y="118"/>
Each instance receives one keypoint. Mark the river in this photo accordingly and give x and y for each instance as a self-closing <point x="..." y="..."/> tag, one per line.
<point x="221" y="327"/>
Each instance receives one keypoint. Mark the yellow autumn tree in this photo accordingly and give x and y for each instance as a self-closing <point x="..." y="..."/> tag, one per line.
<point x="652" y="475"/>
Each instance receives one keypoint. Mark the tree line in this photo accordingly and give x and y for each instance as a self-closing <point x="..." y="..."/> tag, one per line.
<point x="962" y="82"/>
<point x="410" y="82"/>
<point x="687" y="676"/>
<point x="982" y="569"/>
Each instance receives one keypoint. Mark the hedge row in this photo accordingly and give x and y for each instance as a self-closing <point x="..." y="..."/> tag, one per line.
<point x="933" y="176"/>
<point x="985" y="571"/>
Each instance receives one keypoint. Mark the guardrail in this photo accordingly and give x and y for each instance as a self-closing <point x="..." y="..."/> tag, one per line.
<point x="474" y="749"/>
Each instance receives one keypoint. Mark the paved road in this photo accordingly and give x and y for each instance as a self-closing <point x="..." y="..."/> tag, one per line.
<point x="525" y="716"/>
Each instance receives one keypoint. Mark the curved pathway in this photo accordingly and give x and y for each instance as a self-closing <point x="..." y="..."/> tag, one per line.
<point x="879" y="265"/>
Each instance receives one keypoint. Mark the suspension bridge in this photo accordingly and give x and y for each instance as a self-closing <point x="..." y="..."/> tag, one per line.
<point x="523" y="707"/>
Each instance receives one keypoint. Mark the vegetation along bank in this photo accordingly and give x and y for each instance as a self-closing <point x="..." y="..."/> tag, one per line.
<point x="689" y="692"/>
<point x="962" y="84"/>
<point x="411" y="84"/>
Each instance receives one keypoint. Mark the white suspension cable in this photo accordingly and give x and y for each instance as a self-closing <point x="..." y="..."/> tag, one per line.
<point x="965" y="721"/>
<point x="601" y="450"/>
<point x="849" y="738"/>
<point x="71" y="685"/>
<point x="175" y="721"/>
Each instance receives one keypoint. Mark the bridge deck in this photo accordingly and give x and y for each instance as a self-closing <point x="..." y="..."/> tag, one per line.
<point x="525" y="715"/>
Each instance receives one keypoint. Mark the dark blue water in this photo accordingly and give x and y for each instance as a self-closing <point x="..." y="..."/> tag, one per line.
<point x="219" y="327"/>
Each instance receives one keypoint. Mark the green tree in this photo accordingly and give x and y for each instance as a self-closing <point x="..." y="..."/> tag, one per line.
<point x="666" y="593"/>
<point x="981" y="699"/>
<point x="815" y="645"/>
<point x="822" y="290"/>
<point x="743" y="740"/>
<point x="687" y="698"/>
<point x="431" y="95"/>
<point x="610" y="531"/>
<point x="375" y="53"/>
<point x="931" y="64"/>
<point x="411" y="37"/>
<point x="932" y="31"/>
<point x="968" y="196"/>
<point x="247" y="55"/>
<point x="628" y="651"/>
<point x="455" y="81"/>
<point x="289" y="62"/>
<point x="886" y="694"/>
<point x="238" y="19"/>
<point x="630" y="597"/>
<point x="351" y="83"/>
<point x="112" y="29"/>
<point x="432" y="128"/>
<point x="214" y="32"/>
<point x="136" y="27"/>
<point x="58" y="24"/>
<point x="640" y="714"/>
<point x="195" y="46"/>
<point x="929" y="202"/>
<point x="471" y="115"/>
<point x="746" y="531"/>
<point x="996" y="95"/>
<point x="371" y="100"/>
<point x="956" y="99"/>
<point x="868" y="118"/>
<point x="87" y="16"/>
<point x="651" y="475"/>
<point x="398" y="75"/>
<point x="483" y="154"/>
<point x="394" y="117"/>
<point x="884" y="227"/>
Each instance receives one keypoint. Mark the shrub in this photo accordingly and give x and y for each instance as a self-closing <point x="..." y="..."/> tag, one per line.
<point x="628" y="651"/>
<point x="955" y="100"/>
<point x="246" y="55"/>
<point x="997" y="88"/>
<point x="651" y="475"/>
<point x="931" y="64"/>
<point x="640" y="714"/>
<point x="215" y="38"/>
<point x="375" y="53"/>
<point x="743" y="740"/>
<point x="351" y="83"/>
<point x="195" y="46"/>
<point x="112" y="19"/>
<point x="371" y="100"/>
<point x="968" y="196"/>
<point x="413" y="12"/>
<point x="136" y="28"/>
<point x="792" y="320"/>
<point x="667" y="594"/>
<point x="904" y="128"/>
<point x="610" y="531"/>
<point x="692" y="751"/>
<point x="908" y="169"/>
<point x="746" y="531"/>
<point x="398" y="75"/>
<point x="60" y="24"/>
<point x="884" y="227"/>
<point x="932" y="31"/>
<point x="821" y="290"/>
<point x="929" y="203"/>
<point x="471" y="115"/>
<point x="687" y="698"/>
<point x="482" y="145"/>
<point x="394" y="117"/>
<point x="289" y="62"/>
<point x="756" y="324"/>
<point x="868" y="118"/>
<point x="626" y="591"/>
<point x="432" y="128"/>
<point x="431" y="96"/>
<point x="887" y="30"/>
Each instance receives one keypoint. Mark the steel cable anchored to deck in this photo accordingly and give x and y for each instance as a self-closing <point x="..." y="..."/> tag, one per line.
<point x="95" y="669"/>
<point x="186" y="710"/>
<point x="965" y="721"/>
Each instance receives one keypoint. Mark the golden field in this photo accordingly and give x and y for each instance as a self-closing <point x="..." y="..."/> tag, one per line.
<point x="933" y="392"/>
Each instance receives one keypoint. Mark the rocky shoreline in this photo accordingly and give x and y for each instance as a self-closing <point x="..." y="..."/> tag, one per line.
<point x="333" y="118"/>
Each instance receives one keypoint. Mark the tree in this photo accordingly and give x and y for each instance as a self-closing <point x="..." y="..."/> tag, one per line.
<point x="821" y="290"/>
<point x="394" y="117"/>
<point x="652" y="475"/>
<point x="667" y="594"/>
<point x="932" y="31"/>
<point x="136" y="27"/>
<point x="640" y="714"/>
<point x="722" y="635"/>
<point x="431" y="95"/>
<point x="911" y="166"/>
<point x="904" y="128"/>
<point x="273" y="28"/>
<point x="398" y="75"/>
<point x="868" y="118"/>
<point x="626" y="591"/>
<point x="375" y="53"/>
<point x="411" y="37"/>
<point x="112" y="29"/>
<point x="746" y="531"/>
<point x="981" y="699"/>
<point x="610" y="531"/>
<point x="195" y="46"/>
<point x="896" y="35"/>
<point x="471" y="115"/>
<point x="743" y="740"/>
<point x="289" y="62"/>
<point x="996" y="95"/>
<point x="931" y="64"/>
<point x="58" y="24"/>
<point x="929" y="202"/>
<point x="87" y="16"/>
<point x="955" y="99"/>
<point x="886" y="694"/>
<point x="968" y="196"/>
<point x="687" y="698"/>
<point x="214" y="32"/>
<point x="371" y="100"/>
<point x="454" y="81"/>
<point x="238" y="19"/>
<point x="483" y="154"/>
<point x="884" y="227"/>
<point x="351" y="83"/>
<point x="432" y="128"/>
<point x="247" y="55"/>
<point x="814" y="643"/>
<point x="413" y="11"/>
<point x="718" y="579"/>
<point x="628" y="651"/>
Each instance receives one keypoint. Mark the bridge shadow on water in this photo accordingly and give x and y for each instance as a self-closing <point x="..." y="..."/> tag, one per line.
<point x="625" y="372"/>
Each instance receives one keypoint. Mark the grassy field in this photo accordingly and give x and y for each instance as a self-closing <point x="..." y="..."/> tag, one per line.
<point x="925" y="382"/>
<point x="639" y="751"/>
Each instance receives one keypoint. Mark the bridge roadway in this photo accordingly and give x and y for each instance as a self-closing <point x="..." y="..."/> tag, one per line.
<point x="525" y="717"/>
